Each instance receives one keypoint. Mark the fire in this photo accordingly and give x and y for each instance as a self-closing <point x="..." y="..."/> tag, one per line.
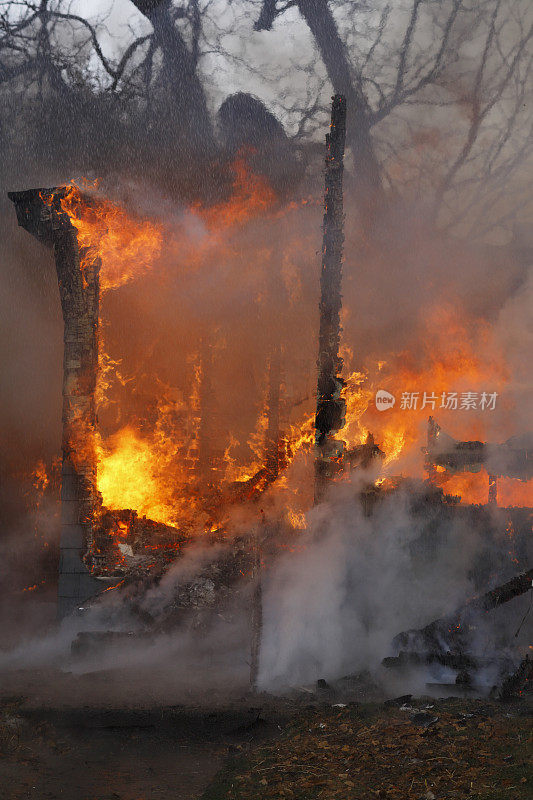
<point x="126" y="246"/>
<point x="513" y="492"/>
<point x="151" y="471"/>
<point x="127" y="479"/>
<point x="150" y="464"/>
<point x="40" y="477"/>
<point x="393" y="443"/>
<point x="302" y="437"/>
<point x="296" y="519"/>
<point x="450" y="359"/>
<point x="151" y="467"/>
<point x="251" y="197"/>
<point x="473" y="488"/>
<point x="256" y="444"/>
<point x="357" y="397"/>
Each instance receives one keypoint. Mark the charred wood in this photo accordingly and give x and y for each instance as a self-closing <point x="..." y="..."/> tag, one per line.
<point x="512" y="459"/>
<point x="331" y="407"/>
<point x="40" y="212"/>
<point x="519" y="682"/>
<point x="452" y="631"/>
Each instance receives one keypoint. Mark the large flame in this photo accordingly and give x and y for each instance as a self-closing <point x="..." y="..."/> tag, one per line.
<point x="152" y="468"/>
<point x="126" y="246"/>
<point x="149" y="462"/>
<point x="449" y="360"/>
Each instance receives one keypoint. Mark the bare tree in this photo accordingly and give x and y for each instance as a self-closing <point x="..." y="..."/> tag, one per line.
<point x="187" y="109"/>
<point x="318" y="16"/>
<point x="54" y="58"/>
<point x="437" y="93"/>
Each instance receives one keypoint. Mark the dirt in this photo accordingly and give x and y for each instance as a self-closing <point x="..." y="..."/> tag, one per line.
<point x="275" y="749"/>
<point x="312" y="745"/>
<point x="116" y="754"/>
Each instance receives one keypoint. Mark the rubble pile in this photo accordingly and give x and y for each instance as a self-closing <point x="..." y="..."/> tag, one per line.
<point x="126" y="544"/>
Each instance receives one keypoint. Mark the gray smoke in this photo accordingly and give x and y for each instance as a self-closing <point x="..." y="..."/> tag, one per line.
<point x="333" y="607"/>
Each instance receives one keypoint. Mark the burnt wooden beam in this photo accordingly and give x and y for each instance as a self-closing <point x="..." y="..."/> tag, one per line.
<point x="512" y="459"/>
<point x="452" y="629"/>
<point x="331" y="408"/>
<point x="520" y="681"/>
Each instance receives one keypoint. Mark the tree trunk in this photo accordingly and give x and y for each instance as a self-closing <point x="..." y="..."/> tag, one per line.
<point x="370" y="195"/>
<point x="187" y="112"/>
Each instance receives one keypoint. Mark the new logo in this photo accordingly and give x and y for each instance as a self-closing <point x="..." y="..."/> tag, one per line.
<point x="384" y="400"/>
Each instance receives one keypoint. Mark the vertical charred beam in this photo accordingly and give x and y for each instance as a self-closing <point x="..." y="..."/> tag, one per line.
<point x="493" y="489"/>
<point x="39" y="212"/>
<point x="331" y="408"/>
<point x="432" y="436"/>
<point x="272" y="437"/>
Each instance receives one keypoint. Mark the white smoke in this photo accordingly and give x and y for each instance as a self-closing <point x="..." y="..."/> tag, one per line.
<point x="334" y="608"/>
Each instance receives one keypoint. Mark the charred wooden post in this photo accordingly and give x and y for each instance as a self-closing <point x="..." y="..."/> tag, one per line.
<point x="272" y="437"/>
<point x="361" y="456"/>
<point x="511" y="459"/>
<point x="493" y="490"/>
<point x="331" y="408"/>
<point x="39" y="211"/>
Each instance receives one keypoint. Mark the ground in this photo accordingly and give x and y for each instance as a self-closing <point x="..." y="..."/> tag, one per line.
<point x="261" y="748"/>
<point x="113" y="754"/>
<point x="451" y="749"/>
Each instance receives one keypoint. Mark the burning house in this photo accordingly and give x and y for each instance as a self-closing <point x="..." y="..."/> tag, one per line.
<point x="125" y="520"/>
<point x="512" y="459"/>
<point x="266" y="473"/>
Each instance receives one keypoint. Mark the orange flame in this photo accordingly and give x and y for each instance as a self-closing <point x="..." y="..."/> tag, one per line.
<point x="126" y="246"/>
<point x="152" y="468"/>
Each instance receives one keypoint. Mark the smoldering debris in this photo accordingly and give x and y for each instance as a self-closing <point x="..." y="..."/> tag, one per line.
<point x="336" y="607"/>
<point x="334" y="597"/>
